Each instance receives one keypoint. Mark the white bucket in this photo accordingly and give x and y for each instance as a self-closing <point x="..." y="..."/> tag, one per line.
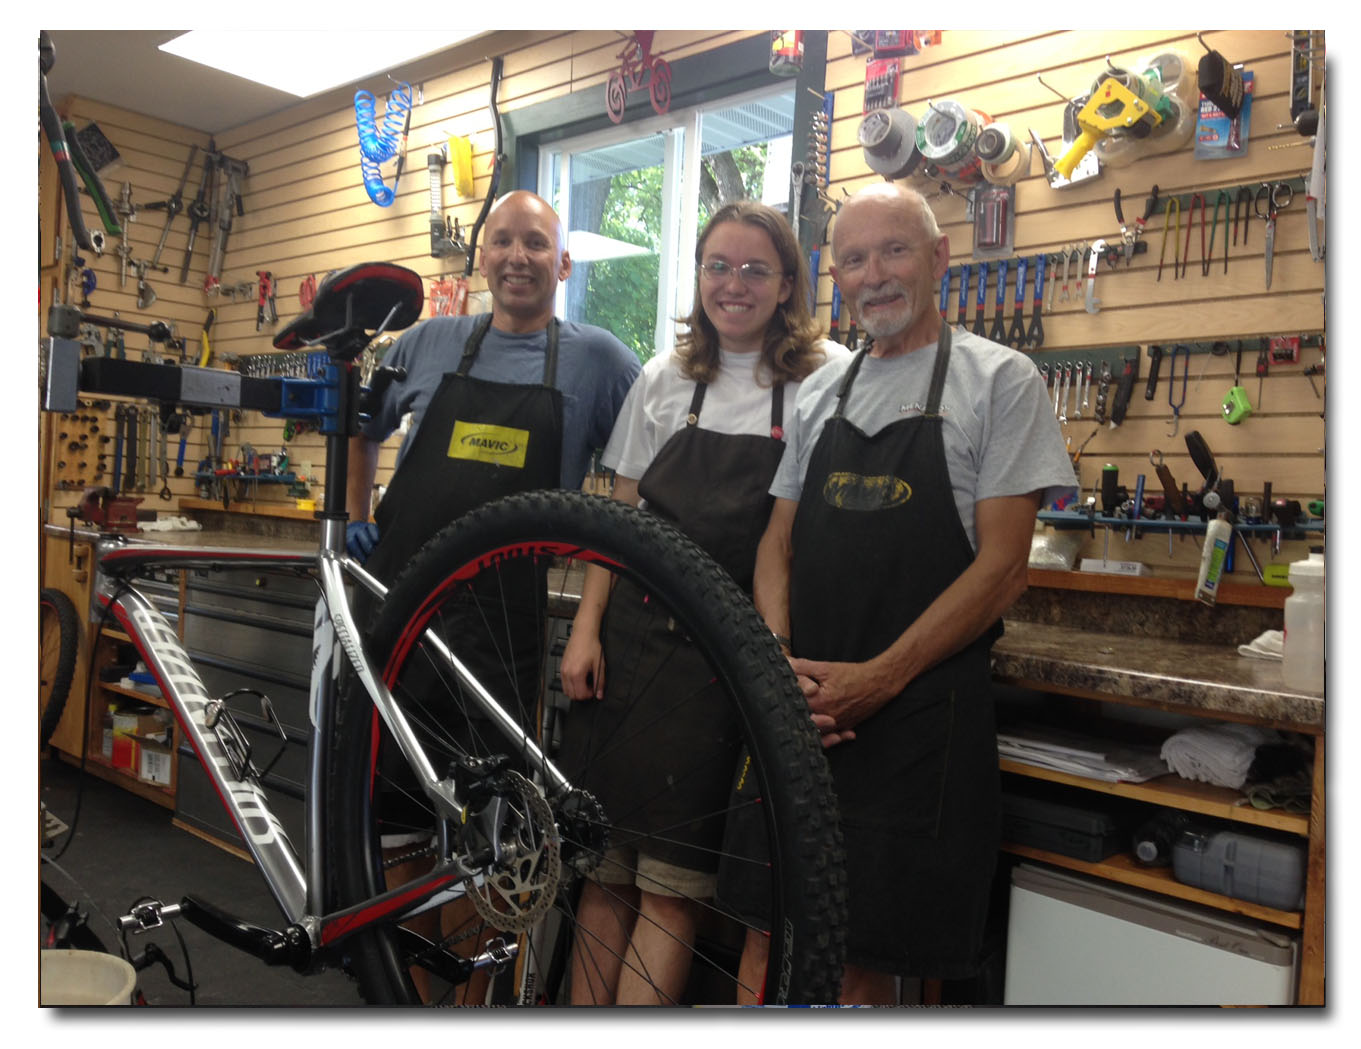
<point x="67" y="977"/>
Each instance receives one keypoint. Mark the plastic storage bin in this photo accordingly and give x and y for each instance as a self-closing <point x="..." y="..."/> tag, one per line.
<point x="1255" y="869"/>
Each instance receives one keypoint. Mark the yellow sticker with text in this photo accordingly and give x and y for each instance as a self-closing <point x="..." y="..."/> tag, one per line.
<point x="852" y="491"/>
<point x="485" y="443"/>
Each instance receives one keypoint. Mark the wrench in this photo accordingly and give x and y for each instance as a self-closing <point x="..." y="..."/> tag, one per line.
<point x="978" y="301"/>
<point x="965" y="271"/>
<point x="999" y="330"/>
<point x="1034" y="337"/>
<point x="1077" y="392"/>
<point x="1067" y="379"/>
<point x="1016" y="336"/>
<point x="1054" y="276"/>
<point x="1093" y="303"/>
<point x="1058" y="385"/>
<point x="1087" y="389"/>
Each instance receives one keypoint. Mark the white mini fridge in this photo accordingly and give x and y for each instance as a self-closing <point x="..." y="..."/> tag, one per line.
<point x="1073" y="940"/>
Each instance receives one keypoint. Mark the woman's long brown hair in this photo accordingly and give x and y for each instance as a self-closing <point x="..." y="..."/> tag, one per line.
<point x="790" y="348"/>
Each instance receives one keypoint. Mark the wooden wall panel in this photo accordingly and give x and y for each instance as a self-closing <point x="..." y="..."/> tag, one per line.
<point x="306" y="213"/>
<point x="998" y="73"/>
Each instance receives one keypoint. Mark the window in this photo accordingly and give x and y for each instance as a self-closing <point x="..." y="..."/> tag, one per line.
<point x="633" y="199"/>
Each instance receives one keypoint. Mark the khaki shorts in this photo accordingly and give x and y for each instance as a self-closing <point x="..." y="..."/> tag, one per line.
<point x="625" y="866"/>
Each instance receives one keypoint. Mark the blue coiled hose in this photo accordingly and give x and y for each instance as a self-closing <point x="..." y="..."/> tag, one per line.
<point x="377" y="145"/>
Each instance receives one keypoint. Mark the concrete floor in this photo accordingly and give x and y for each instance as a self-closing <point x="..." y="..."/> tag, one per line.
<point x="125" y="849"/>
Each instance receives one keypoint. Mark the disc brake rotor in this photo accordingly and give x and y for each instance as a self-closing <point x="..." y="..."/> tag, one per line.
<point x="516" y="895"/>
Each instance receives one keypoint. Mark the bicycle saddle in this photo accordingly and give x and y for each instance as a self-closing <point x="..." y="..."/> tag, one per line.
<point x="356" y="299"/>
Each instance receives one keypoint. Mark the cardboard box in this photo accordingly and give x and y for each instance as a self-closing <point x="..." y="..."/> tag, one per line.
<point x="153" y="763"/>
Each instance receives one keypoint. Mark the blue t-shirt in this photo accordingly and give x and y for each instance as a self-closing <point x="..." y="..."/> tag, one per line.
<point x="595" y="371"/>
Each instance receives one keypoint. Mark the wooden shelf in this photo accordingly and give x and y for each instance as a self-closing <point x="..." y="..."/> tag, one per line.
<point x="97" y="765"/>
<point x="1175" y="792"/>
<point x="116" y="635"/>
<point x="1122" y="868"/>
<point x="250" y="508"/>
<point x="155" y="701"/>
<point x="1253" y="595"/>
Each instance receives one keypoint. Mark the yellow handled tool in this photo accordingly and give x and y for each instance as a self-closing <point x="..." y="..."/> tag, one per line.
<point x="1114" y="105"/>
<point x="207" y="353"/>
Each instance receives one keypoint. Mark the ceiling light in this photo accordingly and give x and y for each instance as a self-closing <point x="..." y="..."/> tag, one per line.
<point x="306" y="61"/>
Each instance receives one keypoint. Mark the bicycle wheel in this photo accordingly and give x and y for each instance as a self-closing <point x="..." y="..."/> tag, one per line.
<point x="488" y="587"/>
<point x="58" y="643"/>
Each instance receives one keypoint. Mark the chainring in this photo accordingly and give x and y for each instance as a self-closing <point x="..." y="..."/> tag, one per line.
<point x="513" y="898"/>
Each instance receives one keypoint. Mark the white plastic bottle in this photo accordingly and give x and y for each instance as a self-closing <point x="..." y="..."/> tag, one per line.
<point x="1218" y="536"/>
<point x="1302" y="661"/>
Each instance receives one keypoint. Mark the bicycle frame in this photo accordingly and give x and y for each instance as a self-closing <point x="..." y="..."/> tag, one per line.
<point x="296" y="884"/>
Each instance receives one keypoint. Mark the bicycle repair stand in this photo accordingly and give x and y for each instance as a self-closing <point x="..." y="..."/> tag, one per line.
<point x="352" y="308"/>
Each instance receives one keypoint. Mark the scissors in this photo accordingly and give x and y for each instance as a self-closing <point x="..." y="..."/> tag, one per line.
<point x="1272" y="192"/>
<point x="1177" y="351"/>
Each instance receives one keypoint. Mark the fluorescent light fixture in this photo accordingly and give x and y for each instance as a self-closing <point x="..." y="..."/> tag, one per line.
<point x="585" y="246"/>
<point x="304" y="62"/>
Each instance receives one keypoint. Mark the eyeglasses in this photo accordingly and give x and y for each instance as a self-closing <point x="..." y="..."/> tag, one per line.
<point x="750" y="273"/>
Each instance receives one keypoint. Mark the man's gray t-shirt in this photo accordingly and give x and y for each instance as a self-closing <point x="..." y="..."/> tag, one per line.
<point x="595" y="371"/>
<point x="1000" y="434"/>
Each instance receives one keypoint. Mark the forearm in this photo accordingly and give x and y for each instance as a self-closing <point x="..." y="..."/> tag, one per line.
<point x="970" y="605"/>
<point x="595" y="588"/>
<point x="363" y="468"/>
<point x="770" y="585"/>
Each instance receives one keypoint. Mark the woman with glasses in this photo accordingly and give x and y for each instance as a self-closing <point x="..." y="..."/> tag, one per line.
<point x="697" y="441"/>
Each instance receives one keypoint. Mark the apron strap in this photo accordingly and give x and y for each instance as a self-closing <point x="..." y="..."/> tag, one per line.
<point x="776" y="408"/>
<point x="937" y="376"/>
<point x="938" y="372"/>
<point x="696" y="402"/>
<point x="849" y="378"/>
<point x="473" y="346"/>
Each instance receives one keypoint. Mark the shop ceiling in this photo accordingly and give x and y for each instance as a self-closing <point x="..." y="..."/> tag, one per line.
<point x="125" y="68"/>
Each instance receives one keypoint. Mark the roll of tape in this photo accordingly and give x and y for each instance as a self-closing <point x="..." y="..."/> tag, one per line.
<point x="1009" y="171"/>
<point x="995" y="144"/>
<point x="888" y="138"/>
<point x="946" y="134"/>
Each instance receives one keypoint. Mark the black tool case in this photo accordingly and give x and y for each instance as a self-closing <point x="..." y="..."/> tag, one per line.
<point x="1084" y="832"/>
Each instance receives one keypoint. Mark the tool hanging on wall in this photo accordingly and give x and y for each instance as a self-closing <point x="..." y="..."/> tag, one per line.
<point x="980" y="299"/>
<point x="445" y="240"/>
<point x="127" y="211"/>
<point x="172" y="207"/>
<point x="265" y="312"/>
<point x="1119" y="103"/>
<point x="69" y="157"/>
<point x="1016" y="334"/>
<point x="1236" y="406"/>
<point x="1131" y="234"/>
<point x="998" y="332"/>
<point x="1219" y="81"/>
<point x="1034" y="336"/>
<point x="199" y="210"/>
<point x="460" y="305"/>
<point x="227" y="204"/>
<point x="379" y="145"/>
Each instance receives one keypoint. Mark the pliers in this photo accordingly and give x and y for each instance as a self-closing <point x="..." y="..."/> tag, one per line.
<point x="1129" y="234"/>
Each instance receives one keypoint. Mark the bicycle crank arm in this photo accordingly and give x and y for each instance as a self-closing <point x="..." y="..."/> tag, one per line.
<point x="291" y="946"/>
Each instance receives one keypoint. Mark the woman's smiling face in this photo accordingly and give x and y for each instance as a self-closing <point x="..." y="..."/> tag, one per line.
<point x="740" y="304"/>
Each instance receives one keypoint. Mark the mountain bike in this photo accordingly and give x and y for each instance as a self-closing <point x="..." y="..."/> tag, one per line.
<point x="447" y="833"/>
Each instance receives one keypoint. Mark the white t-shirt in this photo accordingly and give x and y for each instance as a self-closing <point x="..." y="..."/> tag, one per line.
<point x="736" y="402"/>
<point x="1001" y="437"/>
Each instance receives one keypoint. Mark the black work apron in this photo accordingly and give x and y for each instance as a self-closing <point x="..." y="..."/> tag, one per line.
<point x="877" y="538"/>
<point x="478" y="441"/>
<point x="659" y="749"/>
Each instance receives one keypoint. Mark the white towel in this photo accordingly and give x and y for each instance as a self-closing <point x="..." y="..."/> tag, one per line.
<point x="1220" y="753"/>
<point x="1269" y="645"/>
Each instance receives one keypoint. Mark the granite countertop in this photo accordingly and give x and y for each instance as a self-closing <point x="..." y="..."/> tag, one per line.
<point x="1209" y="678"/>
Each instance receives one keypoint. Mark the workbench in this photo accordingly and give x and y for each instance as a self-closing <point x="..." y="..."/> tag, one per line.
<point x="1129" y="667"/>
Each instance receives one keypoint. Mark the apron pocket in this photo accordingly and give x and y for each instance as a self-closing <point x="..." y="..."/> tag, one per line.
<point x="892" y="775"/>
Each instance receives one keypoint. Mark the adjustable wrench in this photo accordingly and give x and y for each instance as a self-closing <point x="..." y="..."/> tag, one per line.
<point x="1093" y="303"/>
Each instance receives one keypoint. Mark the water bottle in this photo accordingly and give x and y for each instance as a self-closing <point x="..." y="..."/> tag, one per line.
<point x="1302" y="657"/>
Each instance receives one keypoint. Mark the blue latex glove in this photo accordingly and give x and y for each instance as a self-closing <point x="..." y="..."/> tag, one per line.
<point x="360" y="539"/>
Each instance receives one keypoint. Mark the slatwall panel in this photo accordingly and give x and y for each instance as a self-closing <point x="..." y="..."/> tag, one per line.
<point x="997" y="72"/>
<point x="306" y="213"/>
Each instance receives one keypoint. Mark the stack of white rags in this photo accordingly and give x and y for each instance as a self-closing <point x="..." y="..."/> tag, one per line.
<point x="1220" y="753"/>
<point x="1270" y="644"/>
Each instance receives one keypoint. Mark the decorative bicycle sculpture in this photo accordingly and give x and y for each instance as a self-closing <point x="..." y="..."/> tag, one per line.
<point x="638" y="67"/>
